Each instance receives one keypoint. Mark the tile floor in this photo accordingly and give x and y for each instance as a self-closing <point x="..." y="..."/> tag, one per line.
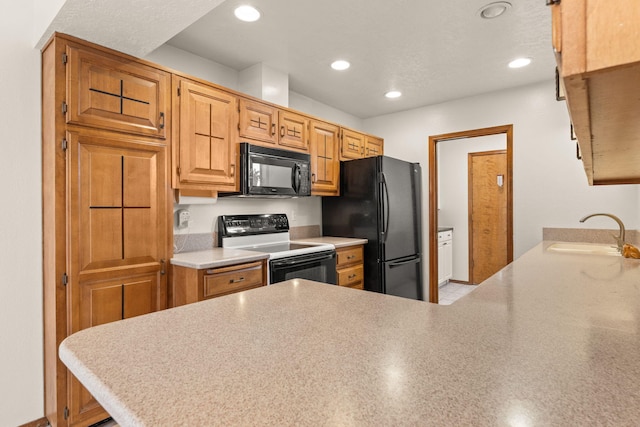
<point x="451" y="292"/>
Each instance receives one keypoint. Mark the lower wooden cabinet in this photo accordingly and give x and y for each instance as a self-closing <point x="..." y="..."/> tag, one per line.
<point x="191" y="285"/>
<point x="349" y="266"/>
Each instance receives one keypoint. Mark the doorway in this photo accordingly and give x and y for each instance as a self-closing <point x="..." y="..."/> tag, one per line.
<point x="505" y="190"/>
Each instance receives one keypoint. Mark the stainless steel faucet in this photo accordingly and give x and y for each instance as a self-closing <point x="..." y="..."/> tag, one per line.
<point x="620" y="237"/>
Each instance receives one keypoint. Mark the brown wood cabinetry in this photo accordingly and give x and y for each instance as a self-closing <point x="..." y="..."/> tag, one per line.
<point x="357" y="145"/>
<point x="349" y="266"/>
<point x="110" y="92"/>
<point x="266" y="125"/>
<point x="598" y="57"/>
<point x="192" y="285"/>
<point x="374" y="146"/>
<point x="106" y="205"/>
<point x="324" y="143"/>
<point x="204" y="151"/>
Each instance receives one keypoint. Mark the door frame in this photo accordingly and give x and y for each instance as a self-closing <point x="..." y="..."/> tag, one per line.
<point x="433" y="195"/>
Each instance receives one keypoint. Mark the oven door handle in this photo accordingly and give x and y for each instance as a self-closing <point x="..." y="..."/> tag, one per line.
<point x="302" y="260"/>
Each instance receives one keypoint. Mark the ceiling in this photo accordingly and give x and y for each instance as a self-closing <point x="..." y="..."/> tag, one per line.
<point x="431" y="51"/>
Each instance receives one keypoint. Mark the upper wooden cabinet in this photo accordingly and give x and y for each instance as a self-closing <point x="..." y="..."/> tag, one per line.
<point x="324" y="143"/>
<point x="110" y="92"/>
<point x="204" y="151"/>
<point x="598" y="57"/>
<point x="357" y="145"/>
<point x="374" y="146"/>
<point x="266" y="125"/>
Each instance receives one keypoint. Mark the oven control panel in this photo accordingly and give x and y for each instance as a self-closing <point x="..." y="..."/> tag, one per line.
<point x="242" y="225"/>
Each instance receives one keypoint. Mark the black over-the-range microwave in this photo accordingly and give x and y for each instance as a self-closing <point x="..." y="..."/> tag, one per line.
<point x="271" y="172"/>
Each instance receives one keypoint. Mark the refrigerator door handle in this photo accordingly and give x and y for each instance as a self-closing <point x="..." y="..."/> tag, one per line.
<point x="399" y="263"/>
<point x="386" y="208"/>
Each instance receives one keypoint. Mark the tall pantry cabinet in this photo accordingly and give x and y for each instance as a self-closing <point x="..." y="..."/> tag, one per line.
<point x="106" y="202"/>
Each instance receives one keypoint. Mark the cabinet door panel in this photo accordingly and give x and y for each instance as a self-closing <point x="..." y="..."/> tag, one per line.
<point x="102" y="240"/>
<point x="258" y="121"/>
<point x="114" y="93"/>
<point x="139" y="240"/>
<point x="324" y="142"/>
<point x="117" y="236"/>
<point x="103" y="171"/>
<point x="352" y="146"/>
<point x="139" y="180"/>
<point x="207" y="155"/>
<point x="293" y="130"/>
<point x="140" y="297"/>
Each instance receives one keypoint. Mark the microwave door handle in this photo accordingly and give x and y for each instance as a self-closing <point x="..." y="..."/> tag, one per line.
<point x="295" y="177"/>
<point x="298" y="177"/>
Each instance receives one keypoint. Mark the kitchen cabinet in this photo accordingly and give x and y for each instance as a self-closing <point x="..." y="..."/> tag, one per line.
<point x="374" y="146"/>
<point x="598" y="56"/>
<point x="267" y="125"/>
<point x="191" y="285"/>
<point x="111" y="92"/>
<point x="350" y="266"/>
<point x="357" y="145"/>
<point x="445" y="256"/>
<point x="324" y="143"/>
<point x="204" y="150"/>
<point x="106" y="205"/>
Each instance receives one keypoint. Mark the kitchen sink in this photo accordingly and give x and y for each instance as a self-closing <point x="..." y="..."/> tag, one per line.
<point x="584" y="248"/>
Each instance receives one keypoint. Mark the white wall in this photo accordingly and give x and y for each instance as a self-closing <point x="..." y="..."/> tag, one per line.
<point x="21" y="370"/>
<point x="453" y="192"/>
<point x="550" y="188"/>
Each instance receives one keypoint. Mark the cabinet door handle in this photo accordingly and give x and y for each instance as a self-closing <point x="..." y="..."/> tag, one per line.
<point x="162" y="270"/>
<point x="238" y="280"/>
<point x="161" y="120"/>
<point x="273" y="129"/>
<point x="232" y="171"/>
<point x="282" y="131"/>
<point x="313" y="177"/>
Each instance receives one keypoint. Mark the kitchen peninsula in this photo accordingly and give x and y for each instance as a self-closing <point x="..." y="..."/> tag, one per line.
<point x="552" y="339"/>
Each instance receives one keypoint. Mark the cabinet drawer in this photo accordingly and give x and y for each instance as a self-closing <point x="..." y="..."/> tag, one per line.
<point x="222" y="281"/>
<point x="351" y="277"/>
<point x="348" y="256"/>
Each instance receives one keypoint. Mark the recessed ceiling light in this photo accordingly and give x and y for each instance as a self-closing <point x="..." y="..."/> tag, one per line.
<point x="393" y="94"/>
<point x="493" y="10"/>
<point x="247" y="13"/>
<point x="520" y="62"/>
<point x="340" y="65"/>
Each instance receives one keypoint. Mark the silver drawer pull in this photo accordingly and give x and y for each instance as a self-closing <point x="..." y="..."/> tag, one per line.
<point x="351" y="276"/>
<point x="351" y="257"/>
<point x="241" y="279"/>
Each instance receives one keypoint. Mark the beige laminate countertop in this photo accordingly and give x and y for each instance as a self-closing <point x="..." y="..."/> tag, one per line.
<point x="551" y="340"/>
<point x="216" y="257"/>
<point x="338" y="242"/>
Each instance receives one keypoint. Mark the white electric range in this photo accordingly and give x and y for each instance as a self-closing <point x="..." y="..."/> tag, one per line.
<point x="269" y="233"/>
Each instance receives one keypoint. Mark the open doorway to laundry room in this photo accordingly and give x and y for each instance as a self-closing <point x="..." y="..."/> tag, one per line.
<point x="470" y="193"/>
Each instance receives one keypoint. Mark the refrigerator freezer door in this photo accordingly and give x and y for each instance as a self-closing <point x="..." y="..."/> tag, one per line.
<point x="403" y="277"/>
<point x="400" y="221"/>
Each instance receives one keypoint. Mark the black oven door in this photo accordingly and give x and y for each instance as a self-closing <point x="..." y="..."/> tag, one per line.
<point x="319" y="266"/>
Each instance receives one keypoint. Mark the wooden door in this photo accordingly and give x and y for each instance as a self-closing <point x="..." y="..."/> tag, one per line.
<point x="258" y="121"/>
<point x="325" y="165"/>
<point x="293" y="131"/>
<point x="488" y="214"/>
<point x="352" y="146"/>
<point x="207" y="153"/>
<point x="109" y="92"/>
<point x="373" y="146"/>
<point x="118" y="209"/>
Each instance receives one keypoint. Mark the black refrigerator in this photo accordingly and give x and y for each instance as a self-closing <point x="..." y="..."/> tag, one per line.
<point x="380" y="201"/>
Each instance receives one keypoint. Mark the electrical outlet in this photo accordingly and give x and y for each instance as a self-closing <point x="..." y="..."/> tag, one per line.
<point x="183" y="216"/>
